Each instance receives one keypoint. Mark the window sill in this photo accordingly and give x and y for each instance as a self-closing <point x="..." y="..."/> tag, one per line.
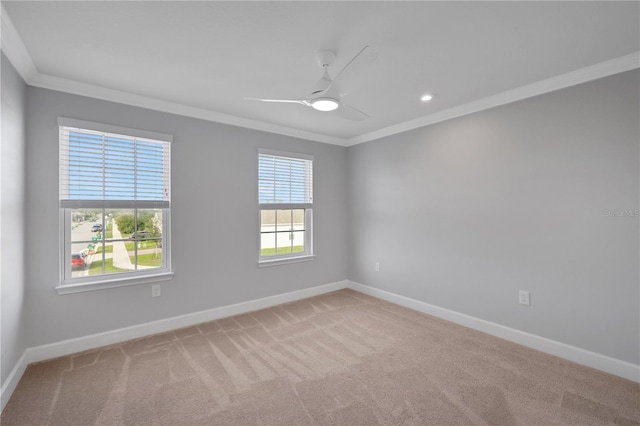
<point x="106" y="283"/>
<point x="276" y="262"/>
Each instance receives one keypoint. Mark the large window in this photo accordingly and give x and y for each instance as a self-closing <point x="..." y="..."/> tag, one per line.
<point x="115" y="205"/>
<point x="285" y="196"/>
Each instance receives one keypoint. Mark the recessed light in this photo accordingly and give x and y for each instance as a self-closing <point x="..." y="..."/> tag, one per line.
<point x="325" y="104"/>
<point x="426" y="98"/>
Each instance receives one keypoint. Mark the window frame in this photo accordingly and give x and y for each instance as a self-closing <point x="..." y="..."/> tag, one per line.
<point x="68" y="284"/>
<point x="307" y="254"/>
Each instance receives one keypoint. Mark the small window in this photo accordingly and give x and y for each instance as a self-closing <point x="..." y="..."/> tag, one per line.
<point x="115" y="204"/>
<point x="285" y="196"/>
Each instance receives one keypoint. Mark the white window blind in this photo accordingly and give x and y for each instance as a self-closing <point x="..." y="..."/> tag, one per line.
<point x="285" y="197"/>
<point x="284" y="180"/>
<point x="103" y="169"/>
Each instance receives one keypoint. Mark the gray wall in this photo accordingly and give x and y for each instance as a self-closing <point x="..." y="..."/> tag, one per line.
<point x="214" y="220"/>
<point x="465" y="213"/>
<point x="461" y="214"/>
<point x="12" y="224"/>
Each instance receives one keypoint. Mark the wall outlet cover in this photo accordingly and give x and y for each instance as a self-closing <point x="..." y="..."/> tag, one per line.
<point x="156" y="291"/>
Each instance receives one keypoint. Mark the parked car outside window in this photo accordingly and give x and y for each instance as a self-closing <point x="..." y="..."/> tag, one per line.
<point x="77" y="261"/>
<point x="139" y="235"/>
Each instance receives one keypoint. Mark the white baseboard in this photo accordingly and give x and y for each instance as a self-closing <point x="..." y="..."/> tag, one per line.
<point x="67" y="347"/>
<point x="607" y="364"/>
<point x="12" y="380"/>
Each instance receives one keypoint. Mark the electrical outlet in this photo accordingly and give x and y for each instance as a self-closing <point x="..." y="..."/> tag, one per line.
<point x="377" y="266"/>
<point x="524" y="298"/>
<point x="155" y="290"/>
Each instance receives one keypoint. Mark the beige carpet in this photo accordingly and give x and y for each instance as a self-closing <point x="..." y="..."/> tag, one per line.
<point x="342" y="358"/>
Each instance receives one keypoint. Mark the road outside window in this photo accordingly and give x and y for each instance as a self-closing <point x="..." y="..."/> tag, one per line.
<point x="115" y="203"/>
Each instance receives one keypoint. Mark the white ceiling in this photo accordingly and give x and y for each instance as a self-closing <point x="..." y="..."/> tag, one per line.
<point x="202" y="58"/>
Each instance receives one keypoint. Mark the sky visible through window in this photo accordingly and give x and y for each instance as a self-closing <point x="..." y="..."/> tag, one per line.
<point x="283" y="180"/>
<point x="107" y="167"/>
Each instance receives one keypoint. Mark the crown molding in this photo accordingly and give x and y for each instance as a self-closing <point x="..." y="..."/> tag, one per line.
<point x="14" y="48"/>
<point x="583" y="75"/>
<point x="17" y="53"/>
<point x="593" y="72"/>
<point x="93" y="91"/>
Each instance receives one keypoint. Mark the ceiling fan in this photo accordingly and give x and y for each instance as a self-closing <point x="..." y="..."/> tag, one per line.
<point x="327" y="92"/>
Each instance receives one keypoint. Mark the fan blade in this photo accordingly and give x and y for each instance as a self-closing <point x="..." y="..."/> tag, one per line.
<point x="288" y="101"/>
<point x="357" y="64"/>
<point x="351" y="113"/>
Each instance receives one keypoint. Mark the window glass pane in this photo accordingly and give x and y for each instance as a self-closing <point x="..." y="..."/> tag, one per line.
<point x="104" y="244"/>
<point x="267" y="229"/>
<point x="100" y="266"/>
<point x="91" y="253"/>
<point x="284" y="240"/>
<point x="109" y="215"/>
<point x="148" y="227"/>
<point x="298" y="241"/>
<point x="123" y="222"/>
<point x="86" y="236"/>
<point x="148" y="258"/>
<point x="283" y="219"/>
<point x="145" y="243"/>
<point x="298" y="220"/>
<point x="267" y="221"/>
<point x="267" y="244"/>
<point x="119" y="224"/>
<point x="86" y="227"/>
<point x="134" y="238"/>
<point x="79" y="264"/>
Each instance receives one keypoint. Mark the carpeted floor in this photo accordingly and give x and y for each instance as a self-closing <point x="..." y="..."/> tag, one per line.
<point x="342" y="358"/>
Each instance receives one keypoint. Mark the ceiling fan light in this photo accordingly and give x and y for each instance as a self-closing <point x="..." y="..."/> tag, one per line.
<point x="325" y="104"/>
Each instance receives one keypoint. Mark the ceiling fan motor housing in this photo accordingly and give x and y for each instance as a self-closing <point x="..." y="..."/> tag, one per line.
<point x="325" y="58"/>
